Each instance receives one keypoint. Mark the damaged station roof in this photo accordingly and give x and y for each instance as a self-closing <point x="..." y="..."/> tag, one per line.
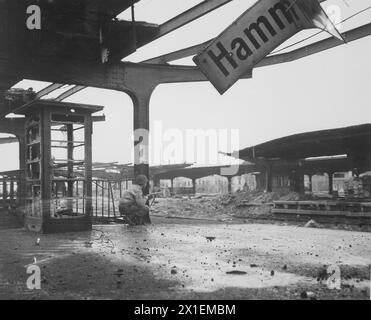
<point x="74" y="29"/>
<point x="352" y="141"/>
<point x="336" y="150"/>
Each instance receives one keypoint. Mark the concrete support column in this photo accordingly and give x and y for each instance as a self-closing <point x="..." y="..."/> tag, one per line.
<point x="194" y="182"/>
<point x="5" y="193"/>
<point x="156" y="182"/>
<point x="229" y="184"/>
<point x="141" y="98"/>
<point x="297" y="179"/>
<point x="11" y="192"/>
<point x="268" y="180"/>
<point x="330" y="183"/>
<point x="310" y="182"/>
<point x="301" y="187"/>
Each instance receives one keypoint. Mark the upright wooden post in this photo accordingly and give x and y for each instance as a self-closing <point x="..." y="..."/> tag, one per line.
<point x="5" y="193"/>
<point x="88" y="165"/>
<point x="46" y="164"/>
<point x="70" y="147"/>
<point x="22" y="186"/>
<point x="11" y="193"/>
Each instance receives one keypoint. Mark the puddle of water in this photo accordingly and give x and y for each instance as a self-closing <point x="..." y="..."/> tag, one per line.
<point x="254" y="279"/>
<point x="210" y="277"/>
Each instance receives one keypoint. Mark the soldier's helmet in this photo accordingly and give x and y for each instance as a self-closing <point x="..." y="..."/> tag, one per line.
<point x="141" y="180"/>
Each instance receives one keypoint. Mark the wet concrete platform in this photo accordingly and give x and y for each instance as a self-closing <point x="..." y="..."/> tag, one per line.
<point x="8" y="220"/>
<point x="177" y="259"/>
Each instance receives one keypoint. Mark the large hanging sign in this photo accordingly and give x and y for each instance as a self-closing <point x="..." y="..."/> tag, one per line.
<point x="255" y="34"/>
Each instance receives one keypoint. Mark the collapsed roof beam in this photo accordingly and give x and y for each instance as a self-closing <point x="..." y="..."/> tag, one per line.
<point x="49" y="89"/>
<point x="316" y="47"/>
<point x="179" y="54"/>
<point x="183" y="53"/>
<point x="69" y="93"/>
<point x="302" y="52"/>
<point x="171" y="25"/>
<point x="190" y="15"/>
<point x="299" y="53"/>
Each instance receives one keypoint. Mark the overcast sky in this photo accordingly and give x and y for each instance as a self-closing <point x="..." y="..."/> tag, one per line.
<point x="328" y="90"/>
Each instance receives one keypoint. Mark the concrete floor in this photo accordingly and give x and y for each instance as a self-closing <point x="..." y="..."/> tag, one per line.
<point x="182" y="259"/>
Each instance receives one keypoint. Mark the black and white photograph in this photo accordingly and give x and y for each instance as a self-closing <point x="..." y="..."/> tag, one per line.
<point x="185" y="155"/>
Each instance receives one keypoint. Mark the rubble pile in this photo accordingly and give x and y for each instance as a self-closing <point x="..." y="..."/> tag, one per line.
<point x="188" y="207"/>
<point x="358" y="187"/>
<point x="248" y="204"/>
<point x="258" y="197"/>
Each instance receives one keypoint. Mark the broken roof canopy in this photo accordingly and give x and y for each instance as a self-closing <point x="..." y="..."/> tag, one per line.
<point x="353" y="139"/>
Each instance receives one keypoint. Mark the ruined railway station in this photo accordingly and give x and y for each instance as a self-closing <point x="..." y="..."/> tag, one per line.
<point x="284" y="212"/>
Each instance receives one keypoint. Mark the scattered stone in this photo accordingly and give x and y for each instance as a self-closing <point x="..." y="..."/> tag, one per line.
<point x="272" y="273"/>
<point x="322" y="275"/>
<point x="236" y="272"/>
<point x="253" y="265"/>
<point x="284" y="267"/>
<point x="304" y="295"/>
<point x="173" y="271"/>
<point x="310" y="294"/>
<point x="88" y="244"/>
<point x="311" y="224"/>
<point x="210" y="239"/>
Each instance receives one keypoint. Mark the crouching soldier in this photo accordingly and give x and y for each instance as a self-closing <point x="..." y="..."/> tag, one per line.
<point x="133" y="204"/>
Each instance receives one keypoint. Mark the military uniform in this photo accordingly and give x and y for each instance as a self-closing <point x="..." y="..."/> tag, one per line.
<point x="133" y="206"/>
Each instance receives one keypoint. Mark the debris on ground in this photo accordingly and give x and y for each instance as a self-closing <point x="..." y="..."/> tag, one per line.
<point x="311" y="224"/>
<point x="303" y="295"/>
<point x="308" y="295"/>
<point x="249" y="204"/>
<point x="236" y="272"/>
<point x="322" y="274"/>
<point x="88" y="244"/>
<point x="210" y="239"/>
<point x="243" y="206"/>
